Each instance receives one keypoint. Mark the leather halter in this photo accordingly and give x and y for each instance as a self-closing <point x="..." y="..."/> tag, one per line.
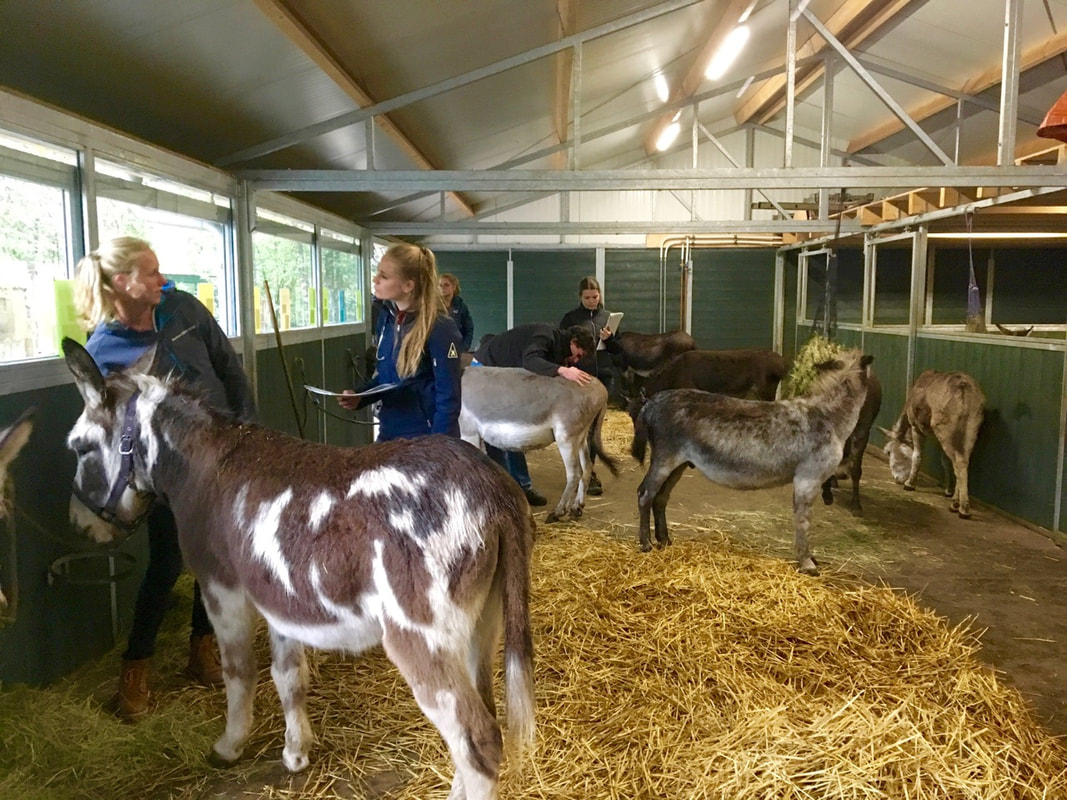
<point x="108" y="512"/>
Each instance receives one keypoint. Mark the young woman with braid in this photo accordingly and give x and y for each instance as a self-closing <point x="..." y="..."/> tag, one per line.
<point x="418" y="349"/>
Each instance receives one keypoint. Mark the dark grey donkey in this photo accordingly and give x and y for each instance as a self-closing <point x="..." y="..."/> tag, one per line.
<point x="751" y="444"/>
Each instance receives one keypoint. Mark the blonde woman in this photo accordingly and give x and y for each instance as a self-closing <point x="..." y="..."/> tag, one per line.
<point x="418" y="349"/>
<point x="131" y="308"/>
<point x="457" y="307"/>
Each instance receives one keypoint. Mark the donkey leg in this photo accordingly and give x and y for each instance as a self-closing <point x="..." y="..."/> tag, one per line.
<point x="657" y="473"/>
<point x="570" y="464"/>
<point x="916" y="460"/>
<point x="234" y="620"/>
<point x="444" y="691"/>
<point x="804" y="493"/>
<point x="485" y="643"/>
<point x="856" y="472"/>
<point x="288" y="668"/>
<point x="952" y="485"/>
<point x="659" y="505"/>
<point x="962" y="498"/>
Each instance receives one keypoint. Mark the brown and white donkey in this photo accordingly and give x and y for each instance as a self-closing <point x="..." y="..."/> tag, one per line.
<point x="422" y="546"/>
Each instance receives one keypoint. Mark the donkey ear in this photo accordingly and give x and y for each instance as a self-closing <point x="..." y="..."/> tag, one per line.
<point x="86" y="374"/>
<point x="888" y="434"/>
<point x="12" y="439"/>
<point x="866" y="360"/>
<point x="144" y="362"/>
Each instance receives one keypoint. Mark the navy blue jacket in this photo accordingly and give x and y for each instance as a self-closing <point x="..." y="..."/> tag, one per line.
<point x="461" y="315"/>
<point x="189" y="344"/>
<point x="428" y="401"/>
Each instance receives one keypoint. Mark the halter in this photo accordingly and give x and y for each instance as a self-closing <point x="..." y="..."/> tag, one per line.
<point x="108" y="512"/>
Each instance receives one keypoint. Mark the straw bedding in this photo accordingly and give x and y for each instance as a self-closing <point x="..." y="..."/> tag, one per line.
<point x="699" y="671"/>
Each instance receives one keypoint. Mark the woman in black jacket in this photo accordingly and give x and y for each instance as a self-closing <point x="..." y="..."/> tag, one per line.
<point x="592" y="314"/>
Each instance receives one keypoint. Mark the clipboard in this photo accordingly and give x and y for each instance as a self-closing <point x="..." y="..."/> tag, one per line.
<point x="614" y="318"/>
<point x="380" y="389"/>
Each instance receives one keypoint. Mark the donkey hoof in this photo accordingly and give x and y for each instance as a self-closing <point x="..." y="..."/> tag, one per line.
<point x="552" y="517"/>
<point x="576" y="513"/>
<point x="809" y="567"/>
<point x="965" y="514"/>
<point x="295" y="762"/>
<point x="216" y="759"/>
<point x="908" y="488"/>
<point x="646" y="547"/>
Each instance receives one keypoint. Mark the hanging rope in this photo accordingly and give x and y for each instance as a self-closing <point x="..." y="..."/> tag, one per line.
<point x="975" y="315"/>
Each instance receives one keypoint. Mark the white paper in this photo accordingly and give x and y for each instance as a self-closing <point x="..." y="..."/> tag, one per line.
<point x="385" y="387"/>
<point x="614" y="318"/>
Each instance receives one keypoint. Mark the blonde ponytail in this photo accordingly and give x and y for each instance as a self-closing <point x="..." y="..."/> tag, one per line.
<point x="94" y="297"/>
<point x="417" y="264"/>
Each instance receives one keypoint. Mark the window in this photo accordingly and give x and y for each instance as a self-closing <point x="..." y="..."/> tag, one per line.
<point x="187" y="228"/>
<point x="342" y="278"/>
<point x="37" y="184"/>
<point x="281" y="252"/>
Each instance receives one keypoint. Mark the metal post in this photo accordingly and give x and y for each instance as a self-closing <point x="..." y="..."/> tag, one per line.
<point x="791" y="81"/>
<point x="1009" y="84"/>
<point x="827" y="131"/>
<point x="244" y="224"/>
<point x="915" y="307"/>
<point x="778" y="338"/>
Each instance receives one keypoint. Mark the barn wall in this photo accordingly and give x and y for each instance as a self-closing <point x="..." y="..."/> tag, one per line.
<point x="546" y="282"/>
<point x="1014" y="463"/>
<point x="483" y="277"/>
<point x="339" y="373"/>
<point x="632" y="285"/>
<point x="733" y="298"/>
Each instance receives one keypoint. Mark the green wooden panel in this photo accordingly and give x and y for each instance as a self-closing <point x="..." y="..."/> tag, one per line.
<point x="483" y="278"/>
<point x="59" y="625"/>
<point x="850" y="285"/>
<point x="546" y="282"/>
<point x="890" y="353"/>
<point x="892" y="286"/>
<point x="1013" y="466"/>
<point x="632" y="286"/>
<point x="275" y="409"/>
<point x="342" y="356"/>
<point x="733" y="298"/>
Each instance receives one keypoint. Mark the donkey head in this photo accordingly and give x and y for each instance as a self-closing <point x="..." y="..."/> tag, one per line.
<point x="109" y="495"/>
<point x="900" y="449"/>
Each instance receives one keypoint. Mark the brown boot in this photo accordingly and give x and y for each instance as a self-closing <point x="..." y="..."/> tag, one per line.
<point x="204" y="664"/>
<point x="131" y="701"/>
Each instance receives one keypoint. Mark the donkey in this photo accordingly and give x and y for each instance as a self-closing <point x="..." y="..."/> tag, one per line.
<point x="951" y="406"/>
<point x="638" y="355"/>
<point x="514" y="409"/>
<point x="12" y="439"/>
<point x="422" y="546"/>
<point x="750" y="444"/>
<point x="855" y="446"/>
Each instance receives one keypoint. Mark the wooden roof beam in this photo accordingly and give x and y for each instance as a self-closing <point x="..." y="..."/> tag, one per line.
<point x="289" y="23"/>
<point x="987" y="79"/>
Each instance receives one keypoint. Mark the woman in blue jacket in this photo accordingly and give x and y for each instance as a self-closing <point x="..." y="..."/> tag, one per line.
<point x="457" y="307"/>
<point x="132" y="308"/>
<point x="418" y="349"/>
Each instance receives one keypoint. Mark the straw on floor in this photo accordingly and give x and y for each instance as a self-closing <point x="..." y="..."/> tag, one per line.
<point x="699" y="671"/>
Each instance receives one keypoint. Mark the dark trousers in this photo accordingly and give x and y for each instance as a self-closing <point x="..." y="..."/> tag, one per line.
<point x="153" y="598"/>
<point x="514" y="462"/>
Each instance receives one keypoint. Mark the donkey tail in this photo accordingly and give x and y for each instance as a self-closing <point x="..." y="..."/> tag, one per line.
<point x="517" y="545"/>
<point x="640" y="442"/>
<point x="597" y="446"/>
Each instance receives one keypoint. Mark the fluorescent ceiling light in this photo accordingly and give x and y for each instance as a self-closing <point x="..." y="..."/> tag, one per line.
<point x="727" y="53"/>
<point x="667" y="136"/>
<point x="747" y="12"/>
<point x="663" y="91"/>
<point x="744" y="87"/>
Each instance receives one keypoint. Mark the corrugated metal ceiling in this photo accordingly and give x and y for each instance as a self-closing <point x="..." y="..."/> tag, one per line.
<point x="210" y="78"/>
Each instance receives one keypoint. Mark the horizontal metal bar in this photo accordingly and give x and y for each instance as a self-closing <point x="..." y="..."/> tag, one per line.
<point x="321" y="180"/>
<point x="556" y="228"/>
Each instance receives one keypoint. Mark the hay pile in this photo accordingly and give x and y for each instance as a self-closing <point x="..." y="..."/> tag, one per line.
<point x="699" y="671"/>
<point x="816" y="350"/>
